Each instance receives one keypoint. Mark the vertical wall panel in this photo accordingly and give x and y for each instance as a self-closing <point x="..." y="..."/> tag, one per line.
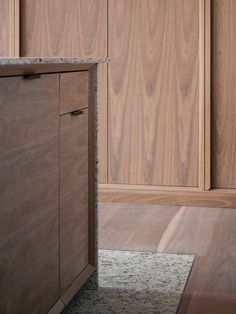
<point x="154" y="92"/>
<point x="224" y="94"/>
<point x="9" y="28"/>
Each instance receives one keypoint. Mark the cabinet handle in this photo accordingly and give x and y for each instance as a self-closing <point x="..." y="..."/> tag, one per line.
<point x="31" y="76"/>
<point x="77" y="112"/>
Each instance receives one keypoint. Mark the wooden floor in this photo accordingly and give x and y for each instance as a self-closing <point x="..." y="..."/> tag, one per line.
<point x="208" y="233"/>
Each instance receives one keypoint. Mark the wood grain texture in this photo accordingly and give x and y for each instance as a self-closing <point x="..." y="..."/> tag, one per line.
<point x="29" y="184"/>
<point x="74" y="236"/>
<point x="223" y="94"/>
<point x="57" y="308"/>
<point x="207" y="94"/>
<point x="17" y="28"/>
<point x="4" y="25"/>
<point x="77" y="29"/>
<point x="92" y="193"/>
<point x="9" y="31"/>
<point x="216" y="197"/>
<point x="8" y="70"/>
<point x="201" y="94"/>
<point x="154" y="92"/>
<point x="208" y="233"/>
<point x="77" y="284"/>
<point x="133" y="226"/>
<point x="73" y="91"/>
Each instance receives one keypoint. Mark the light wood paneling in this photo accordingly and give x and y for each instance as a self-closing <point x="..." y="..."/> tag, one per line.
<point x="79" y="28"/>
<point x="207" y="95"/>
<point x="208" y="233"/>
<point x="223" y="94"/>
<point x="73" y="91"/>
<point x="9" y="25"/>
<point x="74" y="234"/>
<point x="5" y="31"/>
<point x="154" y="92"/>
<point x="29" y="198"/>
<point x="153" y="195"/>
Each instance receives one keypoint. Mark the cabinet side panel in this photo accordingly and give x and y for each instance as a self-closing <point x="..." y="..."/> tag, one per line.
<point x="154" y="92"/>
<point x="224" y="94"/>
<point x="79" y="28"/>
<point x="29" y="198"/>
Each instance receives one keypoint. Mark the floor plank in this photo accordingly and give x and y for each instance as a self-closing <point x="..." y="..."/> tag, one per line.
<point x="208" y="233"/>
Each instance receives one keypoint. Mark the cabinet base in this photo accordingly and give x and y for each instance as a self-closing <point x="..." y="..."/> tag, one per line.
<point x="72" y="290"/>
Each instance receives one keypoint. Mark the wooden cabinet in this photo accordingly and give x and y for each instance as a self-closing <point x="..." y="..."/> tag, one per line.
<point x="74" y="219"/>
<point x="47" y="200"/>
<point x="29" y="198"/>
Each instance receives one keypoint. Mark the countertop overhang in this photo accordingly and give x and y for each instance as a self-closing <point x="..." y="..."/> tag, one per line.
<point x="24" y="66"/>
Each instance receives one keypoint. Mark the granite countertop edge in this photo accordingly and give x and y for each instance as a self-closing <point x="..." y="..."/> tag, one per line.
<point x="50" y="60"/>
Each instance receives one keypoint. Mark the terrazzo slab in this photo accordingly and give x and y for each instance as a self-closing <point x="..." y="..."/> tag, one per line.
<point x="135" y="282"/>
<point x="47" y="60"/>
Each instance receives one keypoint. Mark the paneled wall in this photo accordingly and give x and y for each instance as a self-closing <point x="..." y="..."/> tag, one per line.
<point x="9" y="28"/>
<point x="69" y="28"/>
<point x="167" y="98"/>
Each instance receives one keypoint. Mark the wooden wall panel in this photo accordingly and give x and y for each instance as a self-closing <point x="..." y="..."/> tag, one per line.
<point x="9" y="26"/>
<point x="69" y="28"/>
<point x="4" y="26"/>
<point x="154" y="92"/>
<point x="224" y="94"/>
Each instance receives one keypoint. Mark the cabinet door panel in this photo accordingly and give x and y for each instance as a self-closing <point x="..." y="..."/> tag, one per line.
<point x="79" y="28"/>
<point x="154" y="92"/>
<point x="29" y="198"/>
<point x="73" y="197"/>
<point x="223" y="94"/>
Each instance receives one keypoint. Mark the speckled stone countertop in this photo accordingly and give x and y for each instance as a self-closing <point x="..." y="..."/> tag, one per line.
<point x="43" y="61"/>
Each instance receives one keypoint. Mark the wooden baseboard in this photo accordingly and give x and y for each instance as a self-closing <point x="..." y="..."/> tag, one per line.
<point x="212" y="198"/>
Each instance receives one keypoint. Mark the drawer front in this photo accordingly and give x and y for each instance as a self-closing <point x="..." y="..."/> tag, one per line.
<point x="73" y="91"/>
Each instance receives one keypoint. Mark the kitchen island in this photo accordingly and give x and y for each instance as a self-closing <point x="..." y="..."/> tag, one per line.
<point x="48" y="220"/>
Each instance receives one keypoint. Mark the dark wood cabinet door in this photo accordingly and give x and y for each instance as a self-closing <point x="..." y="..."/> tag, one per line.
<point x="29" y="194"/>
<point x="74" y="242"/>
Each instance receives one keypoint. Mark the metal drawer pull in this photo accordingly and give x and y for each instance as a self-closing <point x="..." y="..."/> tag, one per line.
<point x="77" y="112"/>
